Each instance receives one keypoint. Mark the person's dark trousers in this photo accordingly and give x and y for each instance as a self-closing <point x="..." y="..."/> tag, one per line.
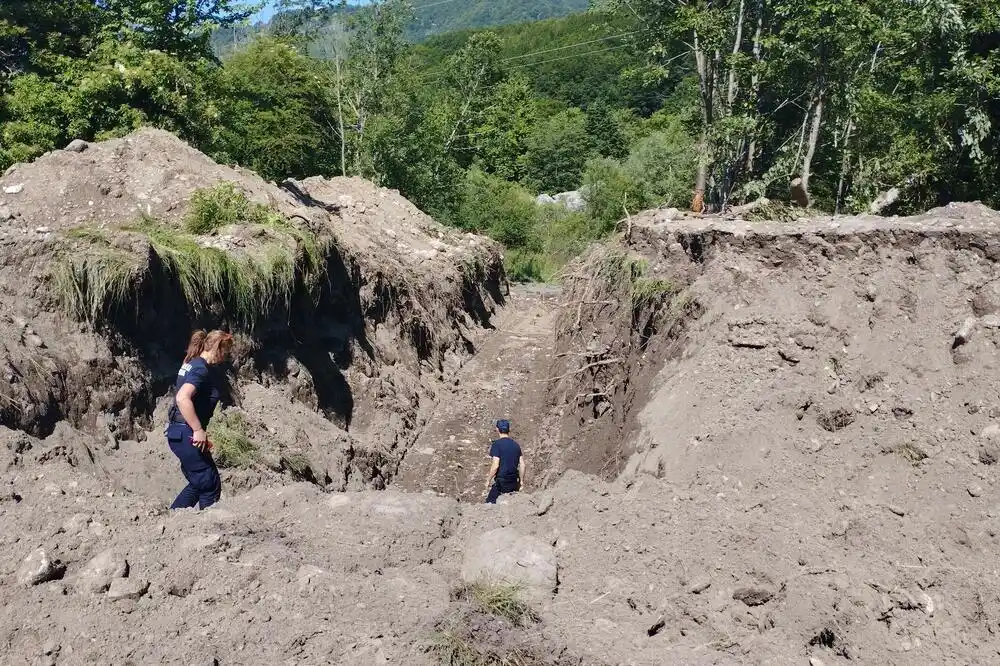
<point x="204" y="484"/>
<point x="502" y="487"/>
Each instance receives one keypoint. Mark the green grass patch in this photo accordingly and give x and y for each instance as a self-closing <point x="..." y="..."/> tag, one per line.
<point x="246" y="284"/>
<point x="95" y="277"/>
<point x="647" y="291"/>
<point x="222" y="205"/>
<point x="501" y="600"/>
<point x="298" y="465"/>
<point x="232" y="445"/>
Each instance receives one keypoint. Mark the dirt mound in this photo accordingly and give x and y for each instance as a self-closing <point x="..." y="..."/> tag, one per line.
<point x="815" y="404"/>
<point x="379" y="306"/>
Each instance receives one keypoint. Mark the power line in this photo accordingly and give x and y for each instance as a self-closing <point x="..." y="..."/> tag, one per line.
<point x="570" y="46"/>
<point x="559" y="48"/>
<point x="573" y="55"/>
<point x="433" y="4"/>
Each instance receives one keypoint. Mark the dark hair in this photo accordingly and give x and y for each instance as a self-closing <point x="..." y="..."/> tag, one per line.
<point x="201" y="342"/>
<point x="503" y="425"/>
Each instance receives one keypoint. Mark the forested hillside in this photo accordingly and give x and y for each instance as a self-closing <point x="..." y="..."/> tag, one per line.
<point x="825" y="104"/>
<point x="433" y="17"/>
<point x="430" y="17"/>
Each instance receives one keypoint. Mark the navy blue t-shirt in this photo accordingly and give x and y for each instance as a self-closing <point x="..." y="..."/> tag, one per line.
<point x="206" y="391"/>
<point x="509" y="453"/>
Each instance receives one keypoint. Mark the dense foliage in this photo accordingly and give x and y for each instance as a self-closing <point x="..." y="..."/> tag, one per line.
<point x="654" y="102"/>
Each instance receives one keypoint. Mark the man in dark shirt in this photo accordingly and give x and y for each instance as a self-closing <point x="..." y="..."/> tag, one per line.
<point x="507" y="469"/>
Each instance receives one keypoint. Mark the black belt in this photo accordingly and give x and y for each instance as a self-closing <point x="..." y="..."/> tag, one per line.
<point x="175" y="416"/>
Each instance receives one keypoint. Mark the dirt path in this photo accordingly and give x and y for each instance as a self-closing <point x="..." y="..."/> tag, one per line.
<point x="502" y="381"/>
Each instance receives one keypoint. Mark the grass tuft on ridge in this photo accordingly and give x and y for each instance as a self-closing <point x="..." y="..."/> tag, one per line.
<point x="97" y="278"/>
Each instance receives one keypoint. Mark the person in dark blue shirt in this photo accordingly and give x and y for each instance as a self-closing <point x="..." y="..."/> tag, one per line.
<point x="507" y="468"/>
<point x="197" y="394"/>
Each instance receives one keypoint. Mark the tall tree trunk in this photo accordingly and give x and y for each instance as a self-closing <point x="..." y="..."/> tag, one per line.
<point x="707" y="89"/>
<point x="340" y="117"/>
<point x="737" y="44"/>
<point x="817" y="121"/>
<point x="755" y="82"/>
<point x="845" y="165"/>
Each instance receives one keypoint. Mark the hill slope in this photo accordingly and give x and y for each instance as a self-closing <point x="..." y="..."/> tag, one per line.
<point x="433" y="17"/>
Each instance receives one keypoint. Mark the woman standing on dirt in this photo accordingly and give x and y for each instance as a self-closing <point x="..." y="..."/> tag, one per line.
<point x="197" y="394"/>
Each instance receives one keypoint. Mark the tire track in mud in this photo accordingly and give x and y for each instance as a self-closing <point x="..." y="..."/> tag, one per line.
<point x="501" y="381"/>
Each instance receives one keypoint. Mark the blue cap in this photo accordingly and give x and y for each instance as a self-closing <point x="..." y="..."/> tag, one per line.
<point x="503" y="425"/>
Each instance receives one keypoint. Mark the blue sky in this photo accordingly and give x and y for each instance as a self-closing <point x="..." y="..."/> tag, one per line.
<point x="265" y="13"/>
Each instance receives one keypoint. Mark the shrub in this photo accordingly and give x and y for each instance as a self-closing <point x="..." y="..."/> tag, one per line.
<point x="610" y="190"/>
<point x="664" y="162"/>
<point x="505" y="211"/>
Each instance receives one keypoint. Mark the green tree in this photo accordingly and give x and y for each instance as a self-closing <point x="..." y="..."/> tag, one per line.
<point x="181" y="28"/>
<point x="505" y="127"/>
<point x="557" y="151"/>
<point x="279" y="116"/>
<point x="664" y="162"/>
<point x="611" y="192"/>
<point x="605" y="132"/>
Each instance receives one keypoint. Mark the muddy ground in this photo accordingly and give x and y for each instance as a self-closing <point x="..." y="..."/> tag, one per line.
<point x="747" y="443"/>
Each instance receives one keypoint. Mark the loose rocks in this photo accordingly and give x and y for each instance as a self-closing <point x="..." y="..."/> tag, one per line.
<point x="98" y="574"/>
<point x="77" y="146"/>
<point x="127" y="588"/>
<point x="699" y="584"/>
<point x="753" y="596"/>
<point x="38" y="568"/>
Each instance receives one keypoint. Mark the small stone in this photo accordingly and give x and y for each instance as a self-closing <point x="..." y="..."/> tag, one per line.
<point x="806" y="341"/>
<point x="788" y="355"/>
<point x="42" y="230"/>
<point x="964" y="332"/>
<point x="656" y="627"/>
<point x="975" y="490"/>
<point x="988" y="455"/>
<point x="991" y="431"/>
<point x="77" y="146"/>
<point x="76" y="523"/>
<point x="14" y="189"/>
<point x="6" y="213"/>
<point x="200" y="541"/>
<point x="38" y="568"/>
<point x="926" y="603"/>
<point x="33" y="340"/>
<point x="666" y="215"/>
<point x="50" y="647"/>
<point x="753" y="596"/>
<point x="98" y="574"/>
<point x="990" y="321"/>
<point x="127" y="588"/>
<point x="815" y="661"/>
<point x="545" y="503"/>
<point x="699" y="584"/>
<point x="899" y="511"/>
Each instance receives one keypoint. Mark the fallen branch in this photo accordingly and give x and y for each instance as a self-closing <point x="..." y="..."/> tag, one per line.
<point x="591" y="396"/>
<point x="583" y="369"/>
